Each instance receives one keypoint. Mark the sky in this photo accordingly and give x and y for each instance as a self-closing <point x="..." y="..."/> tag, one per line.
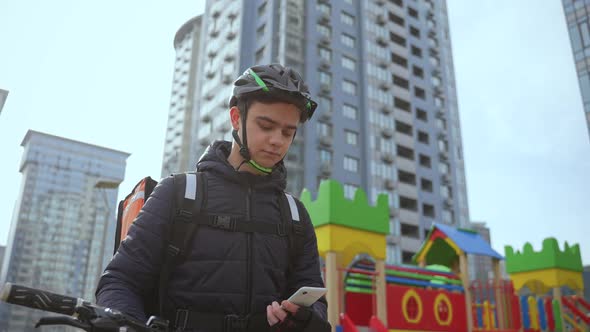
<point x="101" y="73"/>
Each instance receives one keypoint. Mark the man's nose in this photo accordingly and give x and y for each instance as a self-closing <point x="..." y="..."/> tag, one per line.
<point x="277" y="138"/>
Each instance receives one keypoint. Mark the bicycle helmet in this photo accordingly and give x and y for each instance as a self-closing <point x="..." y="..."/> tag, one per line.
<point x="268" y="81"/>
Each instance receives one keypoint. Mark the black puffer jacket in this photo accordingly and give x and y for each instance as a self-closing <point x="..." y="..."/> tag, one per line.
<point x="220" y="266"/>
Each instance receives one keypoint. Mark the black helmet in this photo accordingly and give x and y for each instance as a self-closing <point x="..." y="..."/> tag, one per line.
<point x="272" y="81"/>
<point x="278" y="81"/>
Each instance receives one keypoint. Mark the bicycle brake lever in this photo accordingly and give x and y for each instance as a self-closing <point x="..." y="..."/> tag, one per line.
<point x="62" y="320"/>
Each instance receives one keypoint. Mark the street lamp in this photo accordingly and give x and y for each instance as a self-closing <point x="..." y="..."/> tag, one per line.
<point x="104" y="185"/>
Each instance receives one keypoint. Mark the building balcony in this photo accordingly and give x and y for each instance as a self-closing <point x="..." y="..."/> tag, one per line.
<point x="409" y="217"/>
<point x="406" y="164"/>
<point x="404" y="139"/>
<point x="407" y="190"/>
<point x="410" y="243"/>
<point x="403" y="116"/>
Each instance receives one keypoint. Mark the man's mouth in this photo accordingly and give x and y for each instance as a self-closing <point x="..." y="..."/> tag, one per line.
<point x="271" y="153"/>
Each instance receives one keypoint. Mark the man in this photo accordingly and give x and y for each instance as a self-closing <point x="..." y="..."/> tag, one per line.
<point x="231" y="280"/>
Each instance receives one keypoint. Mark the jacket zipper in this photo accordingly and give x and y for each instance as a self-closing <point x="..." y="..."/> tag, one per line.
<point x="249" y="255"/>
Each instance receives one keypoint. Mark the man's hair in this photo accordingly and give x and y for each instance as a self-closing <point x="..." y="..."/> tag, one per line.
<point x="276" y="97"/>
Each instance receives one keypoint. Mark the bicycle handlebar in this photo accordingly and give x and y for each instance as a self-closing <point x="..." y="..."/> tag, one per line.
<point x="40" y="299"/>
<point x="83" y="314"/>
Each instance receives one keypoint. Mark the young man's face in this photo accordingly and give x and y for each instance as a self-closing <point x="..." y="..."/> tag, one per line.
<point x="270" y="129"/>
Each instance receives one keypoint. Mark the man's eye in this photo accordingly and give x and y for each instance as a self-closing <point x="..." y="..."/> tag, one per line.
<point x="287" y="133"/>
<point x="266" y="128"/>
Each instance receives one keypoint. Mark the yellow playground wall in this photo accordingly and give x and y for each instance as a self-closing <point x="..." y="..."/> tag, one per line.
<point x="551" y="278"/>
<point x="350" y="242"/>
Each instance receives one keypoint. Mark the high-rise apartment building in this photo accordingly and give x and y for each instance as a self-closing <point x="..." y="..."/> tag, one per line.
<point x="382" y="73"/>
<point x="62" y="232"/>
<point x="577" y="13"/>
<point x="481" y="267"/>
<point x="179" y="152"/>
<point x="3" y="96"/>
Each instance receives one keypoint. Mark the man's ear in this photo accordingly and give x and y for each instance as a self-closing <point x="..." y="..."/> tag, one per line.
<point x="235" y="117"/>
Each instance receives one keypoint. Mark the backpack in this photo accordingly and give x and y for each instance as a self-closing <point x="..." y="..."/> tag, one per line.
<point x="188" y="215"/>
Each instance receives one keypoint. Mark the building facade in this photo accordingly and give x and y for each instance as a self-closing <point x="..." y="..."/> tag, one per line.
<point x="62" y="231"/>
<point x="577" y="13"/>
<point x="382" y="73"/>
<point x="481" y="267"/>
<point x="3" y="96"/>
<point x="179" y="149"/>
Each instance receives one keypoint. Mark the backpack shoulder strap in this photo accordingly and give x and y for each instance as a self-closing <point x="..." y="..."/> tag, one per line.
<point x="291" y="218"/>
<point x="189" y="197"/>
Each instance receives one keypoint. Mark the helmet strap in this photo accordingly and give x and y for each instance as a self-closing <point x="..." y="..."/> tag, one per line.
<point x="244" y="151"/>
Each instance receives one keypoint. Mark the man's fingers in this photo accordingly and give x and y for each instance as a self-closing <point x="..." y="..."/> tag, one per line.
<point x="270" y="316"/>
<point x="278" y="311"/>
<point x="275" y="314"/>
<point x="289" y="306"/>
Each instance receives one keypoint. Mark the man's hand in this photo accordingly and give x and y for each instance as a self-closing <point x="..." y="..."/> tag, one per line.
<point x="276" y="313"/>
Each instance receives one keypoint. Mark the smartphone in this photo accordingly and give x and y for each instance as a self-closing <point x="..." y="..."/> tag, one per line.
<point x="306" y="296"/>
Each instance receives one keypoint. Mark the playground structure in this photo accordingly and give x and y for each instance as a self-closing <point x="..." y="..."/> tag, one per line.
<point x="364" y="293"/>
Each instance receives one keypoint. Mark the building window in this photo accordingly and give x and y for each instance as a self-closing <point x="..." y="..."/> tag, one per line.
<point x="418" y="71"/>
<point x="399" y="60"/>
<point x="351" y="137"/>
<point x="346" y="18"/>
<point x="349" y="111"/>
<point x="349" y="190"/>
<point x="349" y="87"/>
<point x="420" y="93"/>
<point x="347" y="40"/>
<point x="262" y="9"/>
<point x="348" y="63"/>
<point x="413" y="12"/>
<point x="425" y="161"/>
<point x="443" y="168"/>
<point x="428" y="210"/>
<point x="408" y="203"/>
<point x="415" y="32"/>
<point x="405" y="152"/>
<point x="426" y="185"/>
<point x="325" y="78"/>
<point x="401" y="104"/>
<point x="423" y="137"/>
<point x="260" y="55"/>
<point x="445" y="191"/>
<point x="421" y="115"/>
<point x="416" y="51"/>
<point x="407" y="257"/>
<point x="406" y="177"/>
<point x="260" y="31"/>
<point x="324" y="8"/>
<point x="324" y="129"/>
<point x="396" y="19"/>
<point x="447" y="217"/>
<point x="403" y="127"/>
<point x="325" y="31"/>
<point x="325" y="157"/>
<point x="401" y="82"/>
<point x="351" y="164"/>
<point x="397" y="39"/>
<point x="325" y="103"/>
<point x="410" y="230"/>
<point x="325" y="54"/>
